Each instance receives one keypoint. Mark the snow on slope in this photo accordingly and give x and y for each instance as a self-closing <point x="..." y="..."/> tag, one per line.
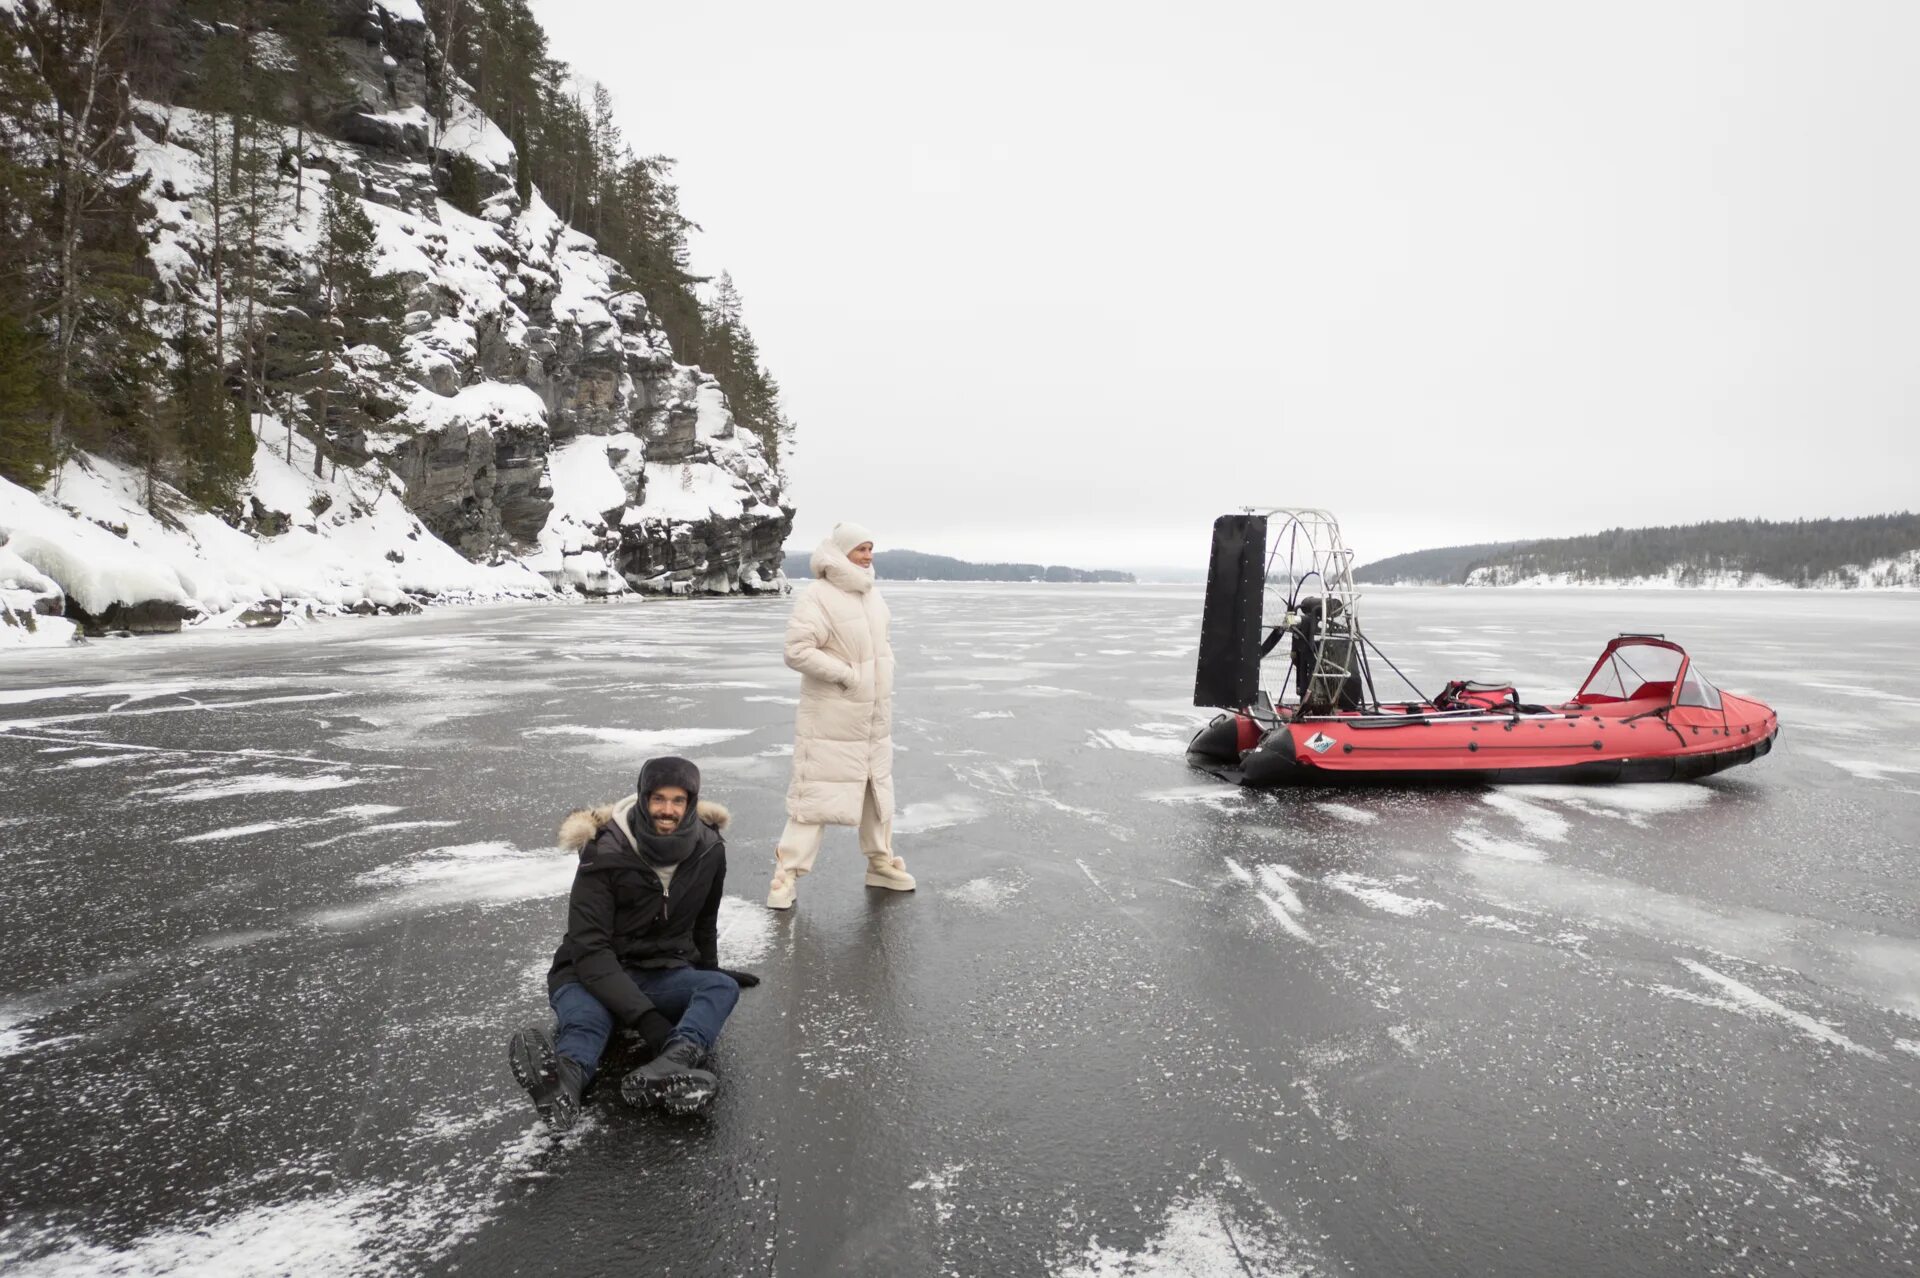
<point x="1900" y="573"/>
<point x="497" y="293"/>
<point x="351" y="544"/>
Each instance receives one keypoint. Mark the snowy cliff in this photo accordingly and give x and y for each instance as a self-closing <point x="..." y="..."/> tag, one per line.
<point x="545" y="440"/>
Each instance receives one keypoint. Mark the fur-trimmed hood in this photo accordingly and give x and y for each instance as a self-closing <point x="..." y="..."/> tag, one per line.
<point x="831" y="564"/>
<point x="582" y="824"/>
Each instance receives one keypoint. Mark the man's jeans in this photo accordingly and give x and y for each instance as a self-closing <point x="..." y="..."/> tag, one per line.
<point x="700" y="1001"/>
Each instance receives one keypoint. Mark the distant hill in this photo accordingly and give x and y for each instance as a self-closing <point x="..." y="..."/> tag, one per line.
<point x="912" y="565"/>
<point x="1447" y="566"/>
<point x="1875" y="551"/>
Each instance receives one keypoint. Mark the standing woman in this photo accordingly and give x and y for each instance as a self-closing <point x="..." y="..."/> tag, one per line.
<point x="843" y="733"/>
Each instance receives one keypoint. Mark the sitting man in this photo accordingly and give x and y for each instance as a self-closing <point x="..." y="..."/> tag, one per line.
<point x="642" y="949"/>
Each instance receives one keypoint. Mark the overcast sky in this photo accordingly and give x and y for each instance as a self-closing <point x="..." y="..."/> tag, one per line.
<point x="1061" y="282"/>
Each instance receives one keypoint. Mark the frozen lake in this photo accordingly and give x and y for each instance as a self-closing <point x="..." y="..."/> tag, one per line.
<point x="274" y="902"/>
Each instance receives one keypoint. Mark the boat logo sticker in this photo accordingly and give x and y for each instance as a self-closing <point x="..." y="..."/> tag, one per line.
<point x="1319" y="743"/>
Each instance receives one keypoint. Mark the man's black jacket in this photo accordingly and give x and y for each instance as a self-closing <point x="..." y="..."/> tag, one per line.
<point x="622" y="915"/>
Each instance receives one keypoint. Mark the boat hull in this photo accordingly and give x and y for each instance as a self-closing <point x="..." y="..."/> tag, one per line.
<point x="1565" y="749"/>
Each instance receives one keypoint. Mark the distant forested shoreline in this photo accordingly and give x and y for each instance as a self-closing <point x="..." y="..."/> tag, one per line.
<point x="913" y="565"/>
<point x="1876" y="550"/>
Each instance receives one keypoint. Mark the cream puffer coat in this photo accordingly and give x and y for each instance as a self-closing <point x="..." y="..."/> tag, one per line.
<point x="843" y="732"/>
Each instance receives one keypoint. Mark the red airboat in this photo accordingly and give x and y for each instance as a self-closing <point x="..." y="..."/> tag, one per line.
<point x="1644" y="712"/>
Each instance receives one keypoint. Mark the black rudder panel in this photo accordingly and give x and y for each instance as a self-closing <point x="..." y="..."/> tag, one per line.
<point x="1229" y="667"/>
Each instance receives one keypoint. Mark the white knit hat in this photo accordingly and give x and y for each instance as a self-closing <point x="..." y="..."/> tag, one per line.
<point x="847" y="536"/>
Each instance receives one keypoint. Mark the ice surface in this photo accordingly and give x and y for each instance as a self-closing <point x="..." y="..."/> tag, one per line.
<point x="1346" y="1006"/>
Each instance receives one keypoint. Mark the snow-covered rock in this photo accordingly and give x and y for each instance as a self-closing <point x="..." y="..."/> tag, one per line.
<point x="543" y="437"/>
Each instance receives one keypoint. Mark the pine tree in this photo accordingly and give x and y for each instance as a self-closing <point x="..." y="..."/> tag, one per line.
<point x="26" y="254"/>
<point x="216" y="441"/>
<point x="315" y="80"/>
<point x="729" y="352"/>
<point x="354" y="322"/>
<point x="90" y="282"/>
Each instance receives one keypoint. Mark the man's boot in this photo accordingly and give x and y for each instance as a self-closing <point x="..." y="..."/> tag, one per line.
<point x="672" y="1080"/>
<point x="887" y="871"/>
<point x="552" y="1080"/>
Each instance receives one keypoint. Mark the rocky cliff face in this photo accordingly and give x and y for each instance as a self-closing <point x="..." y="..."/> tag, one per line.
<point x="544" y="430"/>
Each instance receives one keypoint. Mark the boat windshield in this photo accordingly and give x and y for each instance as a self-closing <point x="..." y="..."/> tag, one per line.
<point x="1696" y="691"/>
<point x="1631" y="671"/>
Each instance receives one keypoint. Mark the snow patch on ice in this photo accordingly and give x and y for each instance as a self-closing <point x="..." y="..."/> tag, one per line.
<point x="1908" y="1045"/>
<point x="1348" y="813"/>
<point x="1632" y="802"/>
<point x="1118" y="739"/>
<point x="746" y="931"/>
<point x="318" y="1236"/>
<point x="643" y="741"/>
<point x="467" y="874"/>
<point x="939" y="1184"/>
<point x="264" y="783"/>
<point x="1282" y="902"/>
<point x="1538" y="822"/>
<point x="1753" y="1000"/>
<point x="1278" y="880"/>
<point x="240" y="831"/>
<point x="1219" y="797"/>
<point x="366" y="811"/>
<point x="937" y="814"/>
<point x="1495" y="923"/>
<point x="1379" y="895"/>
<point x="13" y="1035"/>
<point x="1201" y="1237"/>
<point x="1480" y="843"/>
<point x="1871" y="769"/>
<point x="984" y="893"/>
<point x="439" y="864"/>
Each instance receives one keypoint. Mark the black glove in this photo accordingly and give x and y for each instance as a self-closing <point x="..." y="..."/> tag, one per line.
<point x="745" y="980"/>
<point x="655" y="1028"/>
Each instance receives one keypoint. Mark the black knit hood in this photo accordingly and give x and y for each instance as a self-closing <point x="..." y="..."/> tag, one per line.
<point x="657" y="774"/>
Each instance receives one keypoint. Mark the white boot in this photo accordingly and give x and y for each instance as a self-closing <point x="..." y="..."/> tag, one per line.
<point x="884" y="871"/>
<point x="780" y="895"/>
